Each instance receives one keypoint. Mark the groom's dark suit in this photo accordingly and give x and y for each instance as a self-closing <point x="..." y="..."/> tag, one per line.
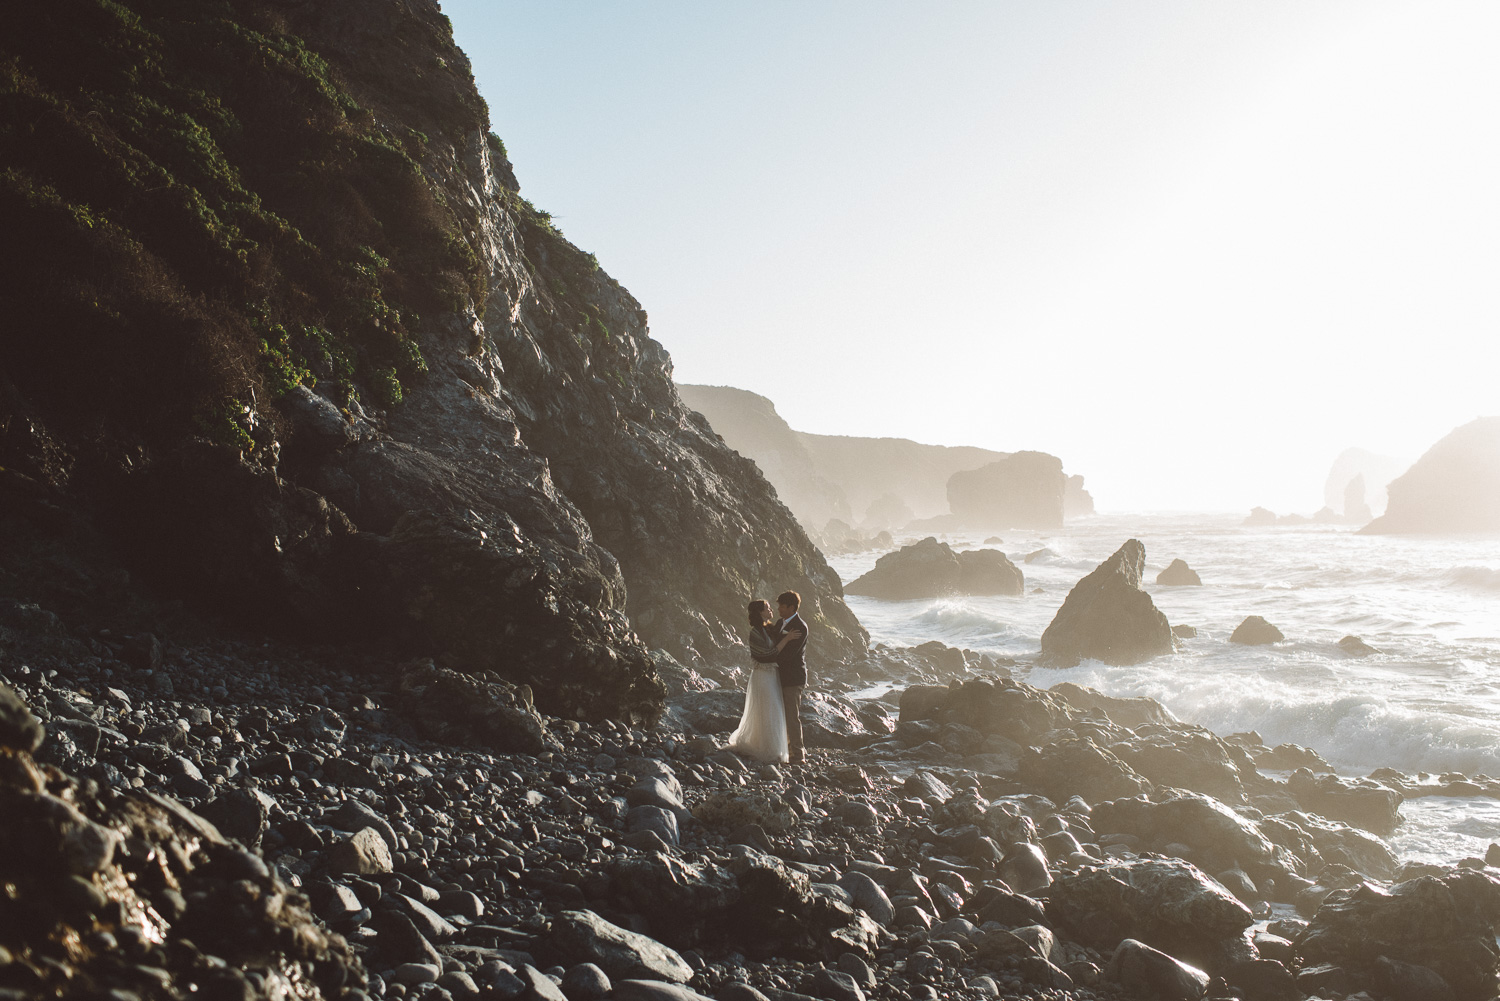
<point x="791" y="667"/>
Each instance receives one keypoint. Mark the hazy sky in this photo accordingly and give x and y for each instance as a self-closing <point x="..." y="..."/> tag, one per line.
<point x="1195" y="249"/>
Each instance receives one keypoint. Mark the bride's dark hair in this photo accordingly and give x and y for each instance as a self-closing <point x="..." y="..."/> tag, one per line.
<point x="760" y="610"/>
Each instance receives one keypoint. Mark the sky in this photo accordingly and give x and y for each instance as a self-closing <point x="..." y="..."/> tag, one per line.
<point x="1195" y="250"/>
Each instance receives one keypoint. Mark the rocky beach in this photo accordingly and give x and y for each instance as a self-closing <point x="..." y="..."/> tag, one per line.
<point x="236" y="816"/>
<point x="371" y="608"/>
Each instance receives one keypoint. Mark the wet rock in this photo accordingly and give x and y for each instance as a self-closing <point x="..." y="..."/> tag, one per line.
<point x="1128" y="712"/>
<point x="1409" y="982"/>
<point x="1183" y="631"/>
<point x="1223" y="838"/>
<point x="1441" y="924"/>
<point x="1179" y="574"/>
<point x="1166" y="903"/>
<point x="662" y="823"/>
<point x="1361" y="802"/>
<point x="780" y="913"/>
<point x="585" y="937"/>
<point x="1353" y="646"/>
<point x="1025" y="869"/>
<point x="868" y="897"/>
<point x="585" y="982"/>
<point x="1149" y="972"/>
<point x="363" y="853"/>
<point x="537" y="986"/>
<point x="1078" y="767"/>
<point x="1256" y="631"/>
<point x="1107" y="616"/>
<point x="352" y="815"/>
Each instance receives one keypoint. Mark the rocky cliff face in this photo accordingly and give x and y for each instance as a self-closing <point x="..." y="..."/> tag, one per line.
<point x="235" y="214"/>
<point x="1454" y="487"/>
<point x="751" y="426"/>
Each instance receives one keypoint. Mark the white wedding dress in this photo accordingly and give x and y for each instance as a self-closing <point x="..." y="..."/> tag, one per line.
<point x="762" y="730"/>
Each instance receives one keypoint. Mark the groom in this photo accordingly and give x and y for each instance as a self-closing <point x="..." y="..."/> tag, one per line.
<point x="791" y="667"/>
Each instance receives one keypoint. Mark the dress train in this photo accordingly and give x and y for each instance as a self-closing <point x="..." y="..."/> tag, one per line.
<point x="762" y="730"/>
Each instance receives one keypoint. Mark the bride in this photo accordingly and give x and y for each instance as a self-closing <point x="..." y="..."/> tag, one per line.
<point x="762" y="729"/>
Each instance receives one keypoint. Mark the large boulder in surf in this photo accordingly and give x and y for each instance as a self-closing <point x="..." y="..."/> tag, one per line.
<point x="1108" y="617"/>
<point x="1443" y="924"/>
<point x="989" y="571"/>
<point x="1256" y="631"/>
<point x="1022" y="490"/>
<point x="1179" y="574"/>
<point x="931" y="569"/>
<point x="1454" y="487"/>
<point x="924" y="569"/>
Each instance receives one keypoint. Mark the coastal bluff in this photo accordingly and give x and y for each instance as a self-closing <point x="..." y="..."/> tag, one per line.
<point x="1453" y="488"/>
<point x="890" y="483"/>
<point x="315" y="364"/>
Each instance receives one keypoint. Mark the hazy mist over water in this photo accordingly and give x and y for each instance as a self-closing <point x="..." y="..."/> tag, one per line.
<point x="1196" y="250"/>
<point x="1430" y="701"/>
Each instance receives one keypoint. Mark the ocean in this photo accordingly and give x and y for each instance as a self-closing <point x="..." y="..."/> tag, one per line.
<point x="1429" y="701"/>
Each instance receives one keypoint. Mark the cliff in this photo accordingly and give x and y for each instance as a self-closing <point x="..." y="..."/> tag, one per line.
<point x="282" y="326"/>
<point x="878" y="483"/>
<point x="752" y="427"/>
<point x="1453" y="488"/>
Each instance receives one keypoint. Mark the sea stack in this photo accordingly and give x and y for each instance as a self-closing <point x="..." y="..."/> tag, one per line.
<point x="1108" y="617"/>
<point x="1179" y="574"/>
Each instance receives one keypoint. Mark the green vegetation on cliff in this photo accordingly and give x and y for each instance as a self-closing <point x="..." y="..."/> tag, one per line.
<point x="195" y="202"/>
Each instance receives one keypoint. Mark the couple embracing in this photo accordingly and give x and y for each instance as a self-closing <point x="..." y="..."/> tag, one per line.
<point x="771" y="727"/>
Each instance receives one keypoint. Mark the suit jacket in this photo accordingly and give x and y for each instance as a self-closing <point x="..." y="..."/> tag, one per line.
<point x="791" y="663"/>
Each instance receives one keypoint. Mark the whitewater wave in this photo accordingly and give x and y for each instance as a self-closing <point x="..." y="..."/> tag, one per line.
<point x="1480" y="578"/>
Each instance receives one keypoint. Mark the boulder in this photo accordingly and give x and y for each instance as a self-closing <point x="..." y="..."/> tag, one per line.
<point x="687" y="904"/>
<point x="363" y="853"/>
<point x="925" y="569"/>
<point x="1166" y="903"/>
<point x="1454" y="487"/>
<point x="780" y="914"/>
<point x="585" y="937"/>
<point x="1353" y="646"/>
<point x="1147" y="972"/>
<point x="1327" y="841"/>
<point x="1078" y="767"/>
<point x="988" y="571"/>
<point x="455" y="708"/>
<point x="1255" y="631"/>
<point x="1444" y="925"/>
<point x="1222" y="838"/>
<point x="1364" y="803"/>
<point x="1184" y="632"/>
<point x="931" y="569"/>
<point x="1107" y="616"/>
<point x="1179" y="574"/>
<point x="1129" y="712"/>
<point x="1188" y="758"/>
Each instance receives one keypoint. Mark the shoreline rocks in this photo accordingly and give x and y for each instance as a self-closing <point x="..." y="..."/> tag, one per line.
<point x="1256" y="631"/>
<point x="1179" y="574"/>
